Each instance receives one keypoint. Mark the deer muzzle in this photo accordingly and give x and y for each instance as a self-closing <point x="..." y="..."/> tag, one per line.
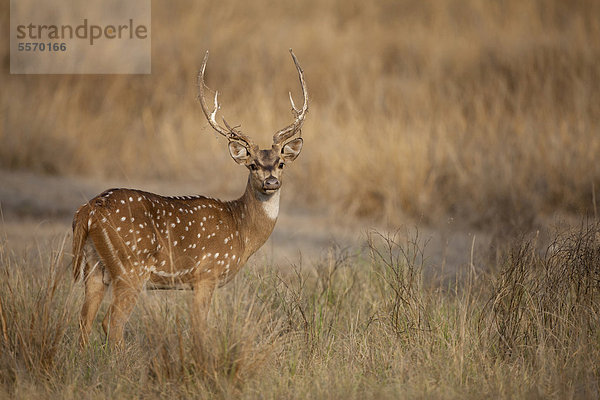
<point x="271" y="183"/>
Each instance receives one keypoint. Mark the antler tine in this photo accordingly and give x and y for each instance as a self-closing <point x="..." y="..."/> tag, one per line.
<point x="291" y="129"/>
<point x="296" y="111"/>
<point x="237" y="135"/>
<point x="211" y="116"/>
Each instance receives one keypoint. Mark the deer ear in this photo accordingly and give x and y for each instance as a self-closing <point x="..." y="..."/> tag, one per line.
<point x="291" y="149"/>
<point x="238" y="152"/>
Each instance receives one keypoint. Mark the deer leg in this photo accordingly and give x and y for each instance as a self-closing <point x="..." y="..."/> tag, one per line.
<point x="94" y="293"/>
<point x="203" y="292"/>
<point x="125" y="295"/>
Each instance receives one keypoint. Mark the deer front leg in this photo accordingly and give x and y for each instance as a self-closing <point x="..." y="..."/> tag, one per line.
<point x="203" y="292"/>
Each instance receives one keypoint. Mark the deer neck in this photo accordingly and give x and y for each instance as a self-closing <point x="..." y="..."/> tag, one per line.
<point x="256" y="215"/>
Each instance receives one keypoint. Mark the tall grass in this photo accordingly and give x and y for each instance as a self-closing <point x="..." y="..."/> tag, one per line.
<point x="550" y="300"/>
<point x="357" y="326"/>
<point x="484" y="110"/>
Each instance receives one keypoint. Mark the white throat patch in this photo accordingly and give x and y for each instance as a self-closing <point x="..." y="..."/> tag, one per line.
<point x="271" y="205"/>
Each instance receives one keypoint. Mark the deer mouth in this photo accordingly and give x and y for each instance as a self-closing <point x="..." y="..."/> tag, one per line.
<point x="270" y="191"/>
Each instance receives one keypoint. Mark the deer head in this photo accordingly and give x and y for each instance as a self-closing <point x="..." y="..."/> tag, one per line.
<point x="265" y="166"/>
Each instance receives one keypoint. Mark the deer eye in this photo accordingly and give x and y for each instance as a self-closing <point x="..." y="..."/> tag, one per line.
<point x="281" y="165"/>
<point x="253" y="167"/>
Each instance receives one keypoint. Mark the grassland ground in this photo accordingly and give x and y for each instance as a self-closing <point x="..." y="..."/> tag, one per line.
<point x="374" y="317"/>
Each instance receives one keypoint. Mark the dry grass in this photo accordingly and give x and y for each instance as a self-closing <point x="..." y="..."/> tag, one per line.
<point x="488" y="111"/>
<point x="351" y="327"/>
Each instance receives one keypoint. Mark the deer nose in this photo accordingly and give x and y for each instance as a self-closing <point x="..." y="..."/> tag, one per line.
<point x="271" y="183"/>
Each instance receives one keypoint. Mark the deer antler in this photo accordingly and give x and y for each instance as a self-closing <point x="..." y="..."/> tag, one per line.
<point x="229" y="132"/>
<point x="292" y="129"/>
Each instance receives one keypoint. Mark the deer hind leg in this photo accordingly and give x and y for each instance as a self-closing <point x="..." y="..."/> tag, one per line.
<point x="95" y="289"/>
<point x="203" y="292"/>
<point x="125" y="294"/>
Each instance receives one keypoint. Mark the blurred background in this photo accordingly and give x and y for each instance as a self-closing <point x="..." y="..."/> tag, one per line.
<point x="487" y="112"/>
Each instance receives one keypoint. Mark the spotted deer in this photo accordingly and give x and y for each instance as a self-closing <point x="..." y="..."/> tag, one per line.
<point x="130" y="239"/>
